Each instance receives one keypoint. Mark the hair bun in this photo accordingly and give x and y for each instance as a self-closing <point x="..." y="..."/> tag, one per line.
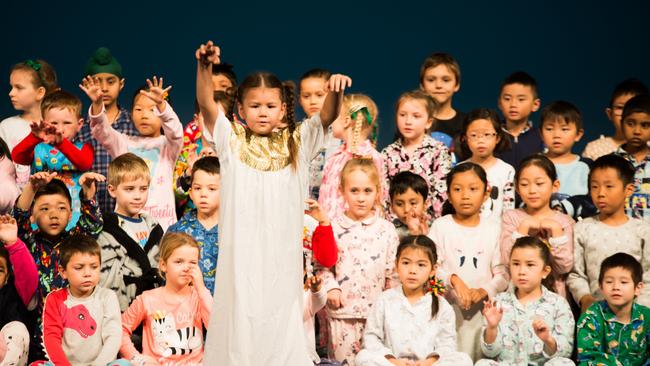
<point x="103" y="56"/>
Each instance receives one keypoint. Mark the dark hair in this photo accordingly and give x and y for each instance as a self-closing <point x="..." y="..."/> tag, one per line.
<point x="226" y="98"/>
<point x="628" y="87"/>
<point x="625" y="261"/>
<point x="523" y="78"/>
<point x="402" y="181"/>
<point x="493" y="117"/>
<point x="78" y="243"/>
<point x="466" y="167"/>
<point x="440" y="58"/>
<point x="561" y="111"/>
<point x="4" y="253"/>
<point x="623" y="167"/>
<point x="544" y="253"/>
<point x="427" y="245"/>
<point x="55" y="186"/>
<point x="540" y="161"/>
<point x="316" y="73"/>
<point x="638" y="104"/>
<point x="208" y="164"/>
<point x="287" y="95"/>
<point x="226" y="70"/>
<point x="4" y="150"/>
<point x="43" y="74"/>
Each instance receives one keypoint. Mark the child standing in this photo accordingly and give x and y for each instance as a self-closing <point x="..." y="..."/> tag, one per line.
<point x="365" y="266"/>
<point x="469" y="253"/>
<point x="528" y="324"/>
<point x="518" y="99"/>
<point x="415" y="151"/>
<point x="536" y="181"/>
<point x="611" y="231"/>
<point x="172" y="316"/>
<point x="150" y="112"/>
<point x="616" y="331"/>
<point x="406" y="310"/>
<point x="482" y="136"/>
<point x="264" y="174"/>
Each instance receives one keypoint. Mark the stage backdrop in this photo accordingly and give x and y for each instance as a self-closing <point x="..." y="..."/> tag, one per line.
<point x="578" y="51"/>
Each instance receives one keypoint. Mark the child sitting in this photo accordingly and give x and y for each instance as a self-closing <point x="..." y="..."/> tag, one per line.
<point x="408" y="196"/>
<point x="7" y="180"/>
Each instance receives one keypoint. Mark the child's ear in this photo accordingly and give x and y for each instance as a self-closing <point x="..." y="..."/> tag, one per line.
<point x="111" y="190"/>
<point x="122" y="80"/>
<point x="488" y="189"/>
<point x="629" y="189"/>
<point x="579" y="135"/>
<point x="610" y="114"/>
<point x="283" y="110"/>
<point x="536" y="103"/>
<point x="546" y="271"/>
<point x="32" y="219"/>
<point x="556" y="186"/>
<point x="429" y="123"/>
<point x="240" y="111"/>
<point x="638" y="288"/>
<point x="62" y="273"/>
<point x="81" y="123"/>
<point x="40" y="93"/>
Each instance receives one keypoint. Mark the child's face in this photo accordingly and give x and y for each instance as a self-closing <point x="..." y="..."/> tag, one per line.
<point x="414" y="268"/>
<point x="51" y="213"/>
<point x="262" y="109"/>
<point x="178" y="267"/>
<point x="467" y="192"/>
<point x="4" y="272"/>
<point x="64" y="120"/>
<point x="608" y="191"/>
<point x="312" y="95"/>
<point x="636" y="129"/>
<point x="360" y="193"/>
<point x="535" y="187"/>
<point x="130" y="195"/>
<point x="517" y="102"/>
<point x="406" y="204"/>
<point x="413" y="121"/>
<point x="204" y="192"/>
<point x="144" y="118"/>
<point x="527" y="269"/>
<point x="440" y="82"/>
<point x="23" y="94"/>
<point x="111" y="86"/>
<point x="220" y="82"/>
<point x="340" y="124"/>
<point x="618" y="287"/>
<point x="481" y="138"/>
<point x="559" y="136"/>
<point x="82" y="273"/>
<point x="615" y="112"/>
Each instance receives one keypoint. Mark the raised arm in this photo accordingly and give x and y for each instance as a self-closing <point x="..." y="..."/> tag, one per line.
<point x="206" y="55"/>
<point x="332" y="106"/>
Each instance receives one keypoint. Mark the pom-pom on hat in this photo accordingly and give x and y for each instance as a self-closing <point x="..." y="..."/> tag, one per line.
<point x="102" y="61"/>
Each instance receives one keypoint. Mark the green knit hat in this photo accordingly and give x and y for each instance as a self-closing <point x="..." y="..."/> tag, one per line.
<point x="103" y="62"/>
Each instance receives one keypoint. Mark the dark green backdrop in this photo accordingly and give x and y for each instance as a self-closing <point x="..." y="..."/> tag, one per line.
<point x="578" y="51"/>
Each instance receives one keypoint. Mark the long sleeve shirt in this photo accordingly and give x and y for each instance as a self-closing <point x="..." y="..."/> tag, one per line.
<point x="312" y="303"/>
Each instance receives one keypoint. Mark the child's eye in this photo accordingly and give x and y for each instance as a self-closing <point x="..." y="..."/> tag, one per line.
<point x="645" y="125"/>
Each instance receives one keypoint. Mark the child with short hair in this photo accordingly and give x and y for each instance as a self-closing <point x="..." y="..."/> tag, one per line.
<point x="105" y="68"/>
<point x="7" y="179"/>
<point x="518" y="99"/>
<point x="49" y="146"/>
<point x="202" y="223"/>
<point x="408" y="199"/>
<point x="616" y="330"/>
<point x="636" y="129"/>
<point x="611" y="182"/>
<point x="174" y="315"/>
<point x="130" y="237"/>
<point x="81" y="322"/>
<point x="622" y="93"/>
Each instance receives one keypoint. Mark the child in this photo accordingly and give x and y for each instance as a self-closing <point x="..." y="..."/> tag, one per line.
<point x="365" y="267"/>
<point x="469" y="253"/>
<point x="354" y="127"/>
<point x="518" y="99"/>
<point x="313" y="301"/>
<point x="264" y="181"/>
<point x="482" y="136"/>
<point x="636" y="129"/>
<point x="405" y="311"/>
<point x="415" y="151"/>
<point x="16" y="293"/>
<point x="107" y="71"/>
<point x="611" y="231"/>
<point x="30" y="82"/>
<point x="536" y="180"/>
<point x="172" y="316"/>
<point x="150" y="112"/>
<point x="408" y="199"/>
<point x="7" y="180"/>
<point x="81" y="323"/>
<point x="46" y="201"/>
<point x="528" y="324"/>
<point x="616" y="331"/>
<point x="130" y="237"/>
<point x="202" y="223"/>
<point x="49" y="146"/>
<point x="622" y="93"/>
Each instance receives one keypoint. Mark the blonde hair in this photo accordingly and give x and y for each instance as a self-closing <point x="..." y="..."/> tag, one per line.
<point x="172" y="241"/>
<point x="366" y="165"/>
<point x="430" y="105"/>
<point x="127" y="167"/>
<point x="61" y="99"/>
<point x="365" y="124"/>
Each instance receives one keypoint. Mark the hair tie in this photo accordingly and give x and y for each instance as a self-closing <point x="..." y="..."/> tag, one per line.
<point x="546" y="242"/>
<point x="364" y="110"/>
<point x="437" y="286"/>
<point x="33" y="64"/>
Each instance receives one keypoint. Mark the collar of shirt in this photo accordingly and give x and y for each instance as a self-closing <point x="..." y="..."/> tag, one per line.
<point x="427" y="143"/>
<point x="610" y="317"/>
<point x="348" y="223"/>
<point x="364" y="148"/>
<point x="407" y="304"/>
<point x="629" y="157"/>
<point x="542" y="299"/>
<point x="192" y="218"/>
<point x="529" y="125"/>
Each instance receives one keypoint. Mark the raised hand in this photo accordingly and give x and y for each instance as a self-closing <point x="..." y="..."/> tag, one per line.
<point x="338" y="82"/>
<point x="92" y="88"/>
<point x="314" y="210"/>
<point x="528" y="225"/>
<point x="156" y="92"/>
<point x="542" y="331"/>
<point x="38" y="180"/>
<point x="8" y="230"/>
<point x="335" y="299"/>
<point x="492" y="313"/>
<point x="417" y="224"/>
<point x="314" y="283"/>
<point x="87" y="182"/>
<point x="208" y="54"/>
<point x="43" y="131"/>
<point x="551" y="228"/>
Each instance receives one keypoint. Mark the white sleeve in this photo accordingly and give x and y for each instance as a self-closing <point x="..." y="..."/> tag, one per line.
<point x="312" y="136"/>
<point x="220" y="135"/>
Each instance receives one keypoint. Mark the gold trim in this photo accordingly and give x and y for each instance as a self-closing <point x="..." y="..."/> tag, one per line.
<point x="266" y="153"/>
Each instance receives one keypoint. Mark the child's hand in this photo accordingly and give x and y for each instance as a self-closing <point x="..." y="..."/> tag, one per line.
<point x="551" y="228"/>
<point x="38" y="180"/>
<point x="208" y="54"/>
<point x="197" y="277"/>
<point x="542" y="330"/>
<point x="8" y="230"/>
<point x="401" y="362"/>
<point x="335" y="299"/>
<point x="492" y="313"/>
<point x="43" y="131"/>
<point x="528" y="225"/>
<point x="87" y="183"/>
<point x="156" y="92"/>
<point x="192" y="157"/>
<point x="338" y="82"/>
<point x="316" y="212"/>
<point x="93" y="89"/>
<point x="478" y="294"/>
<point x="417" y="224"/>
<point x="428" y="362"/>
<point x="207" y="151"/>
<point x="314" y="283"/>
<point x="463" y="293"/>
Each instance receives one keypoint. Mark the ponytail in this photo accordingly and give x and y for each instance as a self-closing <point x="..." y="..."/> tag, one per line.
<point x="289" y="98"/>
<point x="424" y="243"/>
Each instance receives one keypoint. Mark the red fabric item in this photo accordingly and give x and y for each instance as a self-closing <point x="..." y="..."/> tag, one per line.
<point x="324" y="246"/>
<point x="23" y="153"/>
<point x="82" y="159"/>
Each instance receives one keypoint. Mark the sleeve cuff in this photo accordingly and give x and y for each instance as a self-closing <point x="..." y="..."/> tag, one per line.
<point x="559" y="241"/>
<point x="516" y="235"/>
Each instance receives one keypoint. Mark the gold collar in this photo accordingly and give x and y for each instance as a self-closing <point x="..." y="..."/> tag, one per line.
<point x="265" y="153"/>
